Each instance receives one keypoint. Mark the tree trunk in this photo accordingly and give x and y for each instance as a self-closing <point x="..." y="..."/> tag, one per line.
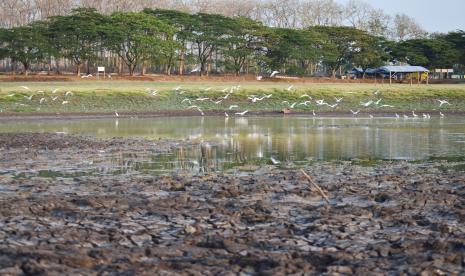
<point x="78" y="69"/>
<point x="26" y="69"/>
<point x="120" y="66"/>
<point x="181" y="63"/>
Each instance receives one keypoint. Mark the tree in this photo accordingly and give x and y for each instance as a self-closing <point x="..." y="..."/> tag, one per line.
<point x="77" y="36"/>
<point x="245" y="41"/>
<point x="372" y="52"/>
<point x="405" y="27"/>
<point x="342" y="44"/>
<point x="182" y="22"/>
<point x="435" y="52"/>
<point x="293" y="50"/>
<point x="136" y="37"/>
<point x="209" y="31"/>
<point x="26" y="44"/>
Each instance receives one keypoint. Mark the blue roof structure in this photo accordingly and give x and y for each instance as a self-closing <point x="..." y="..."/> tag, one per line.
<point x="401" y="69"/>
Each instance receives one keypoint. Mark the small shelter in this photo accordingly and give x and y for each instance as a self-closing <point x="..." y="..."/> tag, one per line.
<point x="402" y="71"/>
<point x="358" y="72"/>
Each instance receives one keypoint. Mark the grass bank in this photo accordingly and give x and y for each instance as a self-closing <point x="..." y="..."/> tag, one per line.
<point x="132" y="96"/>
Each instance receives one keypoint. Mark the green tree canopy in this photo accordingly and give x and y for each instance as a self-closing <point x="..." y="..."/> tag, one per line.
<point x="136" y="37"/>
<point x="25" y="44"/>
<point x="77" y="36"/>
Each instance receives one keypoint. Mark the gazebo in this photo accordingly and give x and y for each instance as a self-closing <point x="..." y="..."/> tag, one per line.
<point x="408" y="69"/>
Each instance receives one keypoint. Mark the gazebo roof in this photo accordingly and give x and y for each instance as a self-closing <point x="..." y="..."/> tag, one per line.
<point x="402" y="69"/>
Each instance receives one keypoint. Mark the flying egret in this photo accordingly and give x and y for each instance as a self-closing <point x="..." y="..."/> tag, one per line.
<point x="11" y="95"/>
<point x="332" y="106"/>
<point x="378" y="101"/>
<point x="116" y="114"/>
<point x="177" y="88"/>
<point x="186" y="100"/>
<point x="293" y="105"/>
<point x="274" y="73"/>
<point x="233" y="106"/>
<point x="371" y="116"/>
<point x="355" y="112"/>
<point x="338" y="100"/>
<point x="366" y="104"/>
<point x="42" y="100"/>
<point x="25" y="87"/>
<point x="305" y="103"/>
<point x="196" y="69"/>
<point x="442" y="102"/>
<point x="268" y="96"/>
<point x="65" y="102"/>
<point x="305" y="95"/>
<point x="28" y="98"/>
<point x="54" y="98"/>
<point x="69" y="93"/>
<point x="226" y="114"/>
<point x="55" y="90"/>
<point x="241" y="113"/>
<point x="202" y="99"/>
<point x="386" y="105"/>
<point x="217" y="102"/>
<point x="290" y="88"/>
<point x="274" y="161"/>
<point x="320" y="102"/>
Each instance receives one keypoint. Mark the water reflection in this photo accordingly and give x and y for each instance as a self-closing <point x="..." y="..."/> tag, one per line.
<point x="253" y="140"/>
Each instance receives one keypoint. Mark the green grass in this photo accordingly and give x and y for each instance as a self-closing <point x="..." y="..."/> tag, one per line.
<point x="131" y="96"/>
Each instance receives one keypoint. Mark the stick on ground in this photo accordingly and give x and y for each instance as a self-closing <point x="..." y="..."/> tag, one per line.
<point x="316" y="186"/>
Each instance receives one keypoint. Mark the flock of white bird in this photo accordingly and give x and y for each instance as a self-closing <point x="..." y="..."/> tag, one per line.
<point x="193" y="103"/>
<point x="42" y="97"/>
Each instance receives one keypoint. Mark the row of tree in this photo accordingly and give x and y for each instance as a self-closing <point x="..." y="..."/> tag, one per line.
<point x="274" y="13"/>
<point x="171" y="41"/>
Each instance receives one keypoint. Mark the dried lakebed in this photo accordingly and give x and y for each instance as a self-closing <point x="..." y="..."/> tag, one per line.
<point x="389" y="217"/>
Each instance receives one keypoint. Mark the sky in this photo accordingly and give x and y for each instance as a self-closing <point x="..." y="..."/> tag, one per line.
<point x="432" y="15"/>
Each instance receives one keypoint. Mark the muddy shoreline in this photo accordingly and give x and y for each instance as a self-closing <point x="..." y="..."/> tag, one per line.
<point x="25" y="116"/>
<point x="393" y="217"/>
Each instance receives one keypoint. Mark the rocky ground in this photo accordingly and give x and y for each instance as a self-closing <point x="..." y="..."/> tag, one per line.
<point x="388" y="218"/>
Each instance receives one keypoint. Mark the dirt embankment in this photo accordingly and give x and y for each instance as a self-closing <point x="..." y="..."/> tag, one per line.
<point x="175" y="78"/>
<point x="390" y="218"/>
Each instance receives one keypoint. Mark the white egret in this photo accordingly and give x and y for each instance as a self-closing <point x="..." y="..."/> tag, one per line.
<point x="274" y="73"/>
<point x="42" y="100"/>
<point x="65" y="102"/>
<point x="378" y="101"/>
<point x="116" y="114"/>
<point x="338" y="100"/>
<point x="290" y="88"/>
<point x="366" y="104"/>
<point x="233" y="106"/>
<point x="305" y="95"/>
<point x="226" y="114"/>
<point x="274" y="161"/>
<point x="28" y="98"/>
<point x="355" y="112"/>
<point x="69" y="93"/>
<point x="242" y="113"/>
<point x="442" y="114"/>
<point x="442" y="102"/>
<point x="186" y="100"/>
<point x="25" y="87"/>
